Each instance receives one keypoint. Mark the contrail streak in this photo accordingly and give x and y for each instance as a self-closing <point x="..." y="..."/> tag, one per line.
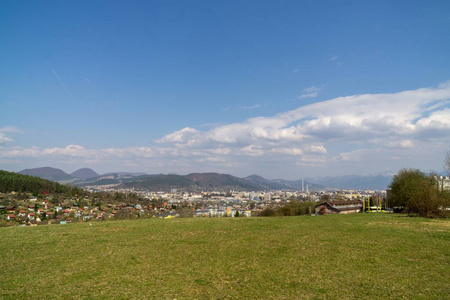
<point x="62" y="83"/>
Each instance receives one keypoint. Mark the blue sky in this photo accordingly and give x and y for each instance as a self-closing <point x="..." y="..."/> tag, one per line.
<point x="279" y="88"/>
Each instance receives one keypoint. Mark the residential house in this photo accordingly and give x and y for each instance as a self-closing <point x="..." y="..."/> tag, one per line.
<point x="10" y="209"/>
<point x="338" y="207"/>
<point x="201" y="213"/>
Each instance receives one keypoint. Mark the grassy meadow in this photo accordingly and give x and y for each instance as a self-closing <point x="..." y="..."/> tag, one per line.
<point x="328" y="257"/>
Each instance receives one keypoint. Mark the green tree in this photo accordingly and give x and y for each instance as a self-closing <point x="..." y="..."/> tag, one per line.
<point x="416" y="193"/>
<point x="268" y="212"/>
<point x="55" y="200"/>
<point x="118" y="196"/>
<point x="325" y="197"/>
<point x="306" y="208"/>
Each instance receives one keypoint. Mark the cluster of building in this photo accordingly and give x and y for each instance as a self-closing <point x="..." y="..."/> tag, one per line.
<point x="275" y="196"/>
<point x="201" y="204"/>
<point x="40" y="213"/>
<point x="443" y="183"/>
<point x="222" y="211"/>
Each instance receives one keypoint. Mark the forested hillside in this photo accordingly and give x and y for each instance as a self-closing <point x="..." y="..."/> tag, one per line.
<point x="10" y="181"/>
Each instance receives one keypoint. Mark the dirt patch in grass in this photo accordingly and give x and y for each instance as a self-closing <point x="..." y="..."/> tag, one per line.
<point x="439" y="225"/>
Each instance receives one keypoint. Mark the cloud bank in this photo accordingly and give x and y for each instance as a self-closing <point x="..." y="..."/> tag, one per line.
<point x="354" y="134"/>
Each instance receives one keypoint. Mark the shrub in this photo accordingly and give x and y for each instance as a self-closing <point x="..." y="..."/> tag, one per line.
<point x="417" y="194"/>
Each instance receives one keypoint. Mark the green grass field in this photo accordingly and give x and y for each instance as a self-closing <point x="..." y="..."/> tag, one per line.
<point x="368" y="256"/>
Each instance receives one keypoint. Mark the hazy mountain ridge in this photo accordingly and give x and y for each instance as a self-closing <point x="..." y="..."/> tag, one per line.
<point x="48" y="173"/>
<point x="191" y="182"/>
<point x="209" y="181"/>
<point x="84" y="173"/>
<point x="356" y="182"/>
<point x="79" y="176"/>
<point x="282" y="184"/>
<point x="133" y="174"/>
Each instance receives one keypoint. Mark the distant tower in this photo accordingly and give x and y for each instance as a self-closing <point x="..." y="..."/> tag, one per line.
<point x="303" y="185"/>
<point x="307" y="188"/>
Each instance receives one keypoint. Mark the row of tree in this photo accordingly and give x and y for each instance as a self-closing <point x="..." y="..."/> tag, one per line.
<point x="10" y="181"/>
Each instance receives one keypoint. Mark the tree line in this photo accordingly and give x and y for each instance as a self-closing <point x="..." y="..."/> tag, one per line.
<point x="414" y="192"/>
<point x="291" y="208"/>
<point x="10" y="181"/>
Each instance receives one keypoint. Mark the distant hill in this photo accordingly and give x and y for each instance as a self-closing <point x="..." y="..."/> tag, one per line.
<point x="208" y="181"/>
<point x="196" y="182"/>
<point x="215" y="180"/>
<point x="262" y="182"/>
<point x="47" y="173"/>
<point x="84" y="173"/>
<point x="282" y="184"/>
<point x="108" y="178"/>
<point x="191" y="182"/>
<point x="370" y="182"/>
<point x="134" y="174"/>
<point x="10" y="181"/>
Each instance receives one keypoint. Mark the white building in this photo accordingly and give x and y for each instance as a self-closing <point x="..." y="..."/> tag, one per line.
<point x="443" y="183"/>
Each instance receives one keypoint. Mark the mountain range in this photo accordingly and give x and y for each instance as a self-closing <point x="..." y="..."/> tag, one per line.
<point x="371" y="182"/>
<point x="84" y="173"/>
<point x="208" y="181"/>
<point x="48" y="173"/>
<point x="58" y="174"/>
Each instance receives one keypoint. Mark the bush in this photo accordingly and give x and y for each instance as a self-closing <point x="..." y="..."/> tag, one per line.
<point x="268" y="212"/>
<point x="417" y="193"/>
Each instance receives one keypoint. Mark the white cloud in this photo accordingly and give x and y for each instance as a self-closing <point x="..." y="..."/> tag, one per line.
<point x="11" y="129"/>
<point x="222" y="151"/>
<point x="319" y="149"/>
<point x="184" y="136"/>
<point x="308" y="95"/>
<point x="370" y="131"/>
<point x="287" y="151"/>
<point x="436" y="120"/>
<point x="311" y="92"/>
<point x="71" y="150"/>
<point x="251" y="107"/>
<point x="252" y="150"/>
<point x="354" y="156"/>
<point x="396" y="120"/>
<point x="4" y="139"/>
<point x="356" y="118"/>
<point x="401" y="144"/>
<point x="312" y="89"/>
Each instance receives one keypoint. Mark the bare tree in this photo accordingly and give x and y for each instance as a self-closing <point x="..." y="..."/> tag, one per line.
<point x="447" y="162"/>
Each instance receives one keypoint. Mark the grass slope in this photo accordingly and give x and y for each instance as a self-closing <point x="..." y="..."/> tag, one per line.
<point x="328" y="257"/>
